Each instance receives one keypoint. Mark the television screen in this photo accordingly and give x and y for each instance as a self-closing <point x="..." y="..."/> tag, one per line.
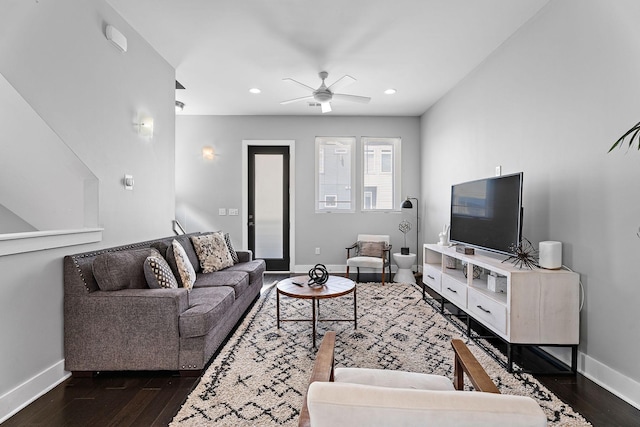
<point x="487" y="213"/>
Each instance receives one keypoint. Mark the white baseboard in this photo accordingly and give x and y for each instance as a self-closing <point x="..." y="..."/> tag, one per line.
<point x="336" y="269"/>
<point x="333" y="269"/>
<point x="14" y="400"/>
<point x="607" y="378"/>
<point x="615" y="382"/>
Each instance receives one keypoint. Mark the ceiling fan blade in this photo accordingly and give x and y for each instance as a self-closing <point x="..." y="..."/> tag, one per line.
<point x="342" y="82"/>
<point x="326" y="107"/>
<point x="298" y="83"/>
<point x="304" y="98"/>
<point x="352" y="98"/>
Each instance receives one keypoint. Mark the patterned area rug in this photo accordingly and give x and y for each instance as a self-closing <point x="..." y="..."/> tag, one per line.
<point x="260" y="376"/>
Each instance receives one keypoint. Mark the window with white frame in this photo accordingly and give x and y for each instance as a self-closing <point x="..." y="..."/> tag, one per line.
<point x="335" y="174"/>
<point x="381" y="174"/>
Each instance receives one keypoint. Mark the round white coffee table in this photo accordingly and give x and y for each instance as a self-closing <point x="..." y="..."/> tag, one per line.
<point x="404" y="263"/>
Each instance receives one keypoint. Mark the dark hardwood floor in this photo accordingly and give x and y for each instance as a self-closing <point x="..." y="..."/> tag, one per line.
<point x="109" y="399"/>
<point x="153" y="398"/>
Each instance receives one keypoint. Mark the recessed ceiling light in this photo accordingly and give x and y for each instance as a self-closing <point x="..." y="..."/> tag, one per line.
<point x="254" y="90"/>
<point x="390" y="91"/>
<point x="179" y="106"/>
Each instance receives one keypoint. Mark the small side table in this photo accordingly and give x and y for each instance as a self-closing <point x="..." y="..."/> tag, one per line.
<point x="404" y="263"/>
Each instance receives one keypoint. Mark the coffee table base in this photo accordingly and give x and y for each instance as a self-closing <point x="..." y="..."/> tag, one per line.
<point x="315" y="308"/>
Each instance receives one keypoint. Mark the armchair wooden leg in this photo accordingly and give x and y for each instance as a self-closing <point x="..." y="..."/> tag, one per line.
<point x="382" y="276"/>
<point x="347" y="276"/>
<point x="358" y="275"/>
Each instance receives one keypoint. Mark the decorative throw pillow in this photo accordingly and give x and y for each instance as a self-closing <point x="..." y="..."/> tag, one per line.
<point x="158" y="273"/>
<point x="212" y="252"/>
<point x="234" y="255"/>
<point x="183" y="266"/>
<point x="373" y="249"/>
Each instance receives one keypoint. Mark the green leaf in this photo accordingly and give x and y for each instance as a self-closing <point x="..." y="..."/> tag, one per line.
<point x="634" y="138"/>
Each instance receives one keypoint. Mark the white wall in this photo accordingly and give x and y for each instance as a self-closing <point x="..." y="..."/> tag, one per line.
<point x="203" y="187"/>
<point x="550" y="102"/>
<point x="56" y="56"/>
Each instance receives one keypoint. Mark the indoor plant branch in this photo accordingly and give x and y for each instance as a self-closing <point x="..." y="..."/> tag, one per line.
<point x="634" y="138"/>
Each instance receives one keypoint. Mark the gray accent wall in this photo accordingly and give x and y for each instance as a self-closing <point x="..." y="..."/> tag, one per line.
<point x="57" y="58"/>
<point x="550" y="102"/>
<point x="202" y="187"/>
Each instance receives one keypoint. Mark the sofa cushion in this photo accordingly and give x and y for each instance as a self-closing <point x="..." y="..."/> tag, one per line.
<point x="337" y="403"/>
<point x="232" y="251"/>
<point x="159" y="274"/>
<point x="212" y="252"/>
<point x="237" y="280"/>
<point x="207" y="308"/>
<point x="122" y="269"/>
<point x="161" y="247"/>
<point x="181" y="266"/>
<point x="255" y="269"/>
<point x="393" y="378"/>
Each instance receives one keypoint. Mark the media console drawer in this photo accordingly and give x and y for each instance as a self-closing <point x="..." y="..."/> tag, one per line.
<point x="454" y="291"/>
<point x="431" y="277"/>
<point x="489" y="310"/>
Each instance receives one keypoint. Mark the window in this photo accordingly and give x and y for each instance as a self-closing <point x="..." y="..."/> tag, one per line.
<point x="369" y="161"/>
<point x="335" y="174"/>
<point x="386" y="161"/>
<point x="369" y="198"/>
<point x="381" y="174"/>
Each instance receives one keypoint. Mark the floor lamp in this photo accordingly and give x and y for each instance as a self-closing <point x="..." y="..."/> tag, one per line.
<point x="408" y="205"/>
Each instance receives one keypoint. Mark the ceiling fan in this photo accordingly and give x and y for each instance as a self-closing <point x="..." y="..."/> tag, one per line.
<point x="324" y="95"/>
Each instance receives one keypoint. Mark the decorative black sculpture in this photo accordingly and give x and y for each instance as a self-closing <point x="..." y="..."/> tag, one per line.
<point x="318" y="275"/>
<point x="524" y="255"/>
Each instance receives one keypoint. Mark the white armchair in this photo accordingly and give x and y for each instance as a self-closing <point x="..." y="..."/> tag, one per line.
<point x="370" y="251"/>
<point x="373" y="397"/>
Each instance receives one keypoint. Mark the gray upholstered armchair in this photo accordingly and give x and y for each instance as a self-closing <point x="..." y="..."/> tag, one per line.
<point x="370" y="251"/>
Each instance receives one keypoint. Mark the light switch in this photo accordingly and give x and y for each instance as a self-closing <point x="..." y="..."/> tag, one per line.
<point x="233" y="211"/>
<point x="222" y="211"/>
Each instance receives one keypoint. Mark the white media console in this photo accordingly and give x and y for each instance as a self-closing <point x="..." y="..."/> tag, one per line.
<point x="537" y="307"/>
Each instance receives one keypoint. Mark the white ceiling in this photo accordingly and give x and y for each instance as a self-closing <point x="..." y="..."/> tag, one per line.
<point x="422" y="48"/>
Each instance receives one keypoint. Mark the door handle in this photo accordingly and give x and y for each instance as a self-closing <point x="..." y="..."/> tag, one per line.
<point x="251" y="224"/>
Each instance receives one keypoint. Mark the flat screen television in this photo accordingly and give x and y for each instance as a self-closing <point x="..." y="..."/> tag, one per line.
<point x="487" y="213"/>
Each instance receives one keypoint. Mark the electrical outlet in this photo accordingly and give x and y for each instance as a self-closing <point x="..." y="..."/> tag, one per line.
<point x="498" y="170"/>
<point x="233" y="211"/>
<point x="222" y="211"/>
<point x="317" y="251"/>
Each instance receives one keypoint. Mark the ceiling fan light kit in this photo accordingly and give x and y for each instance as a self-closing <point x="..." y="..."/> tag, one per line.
<point x="324" y="95"/>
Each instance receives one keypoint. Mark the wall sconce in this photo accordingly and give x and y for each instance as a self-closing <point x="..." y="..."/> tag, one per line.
<point x="179" y="106"/>
<point x="116" y="37"/>
<point x="145" y="127"/>
<point x="207" y="153"/>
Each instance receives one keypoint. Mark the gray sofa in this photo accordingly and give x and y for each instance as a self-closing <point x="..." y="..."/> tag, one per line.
<point x="139" y="328"/>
